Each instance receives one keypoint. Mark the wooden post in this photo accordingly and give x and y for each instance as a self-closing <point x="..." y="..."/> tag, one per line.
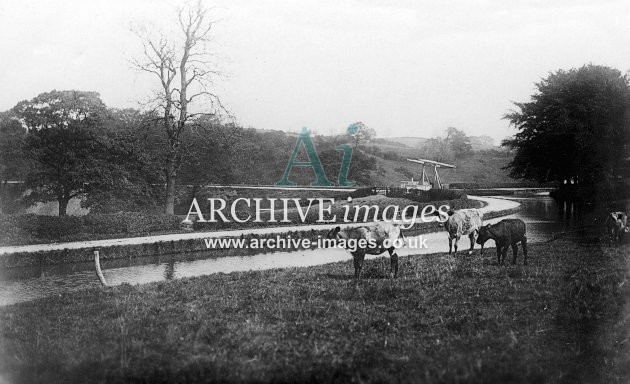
<point x="99" y="273"/>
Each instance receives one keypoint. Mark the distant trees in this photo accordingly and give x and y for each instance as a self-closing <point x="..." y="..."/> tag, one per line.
<point x="13" y="164"/>
<point x="360" y="133"/>
<point x="458" y="142"/>
<point x="455" y="145"/>
<point x="182" y="67"/>
<point x="436" y="148"/>
<point x="574" y="128"/>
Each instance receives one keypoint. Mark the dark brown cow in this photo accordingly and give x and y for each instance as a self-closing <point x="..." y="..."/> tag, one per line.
<point x="505" y="233"/>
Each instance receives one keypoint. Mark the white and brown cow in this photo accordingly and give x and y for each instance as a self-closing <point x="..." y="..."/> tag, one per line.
<point x="463" y="222"/>
<point x="616" y="226"/>
<point x="371" y="240"/>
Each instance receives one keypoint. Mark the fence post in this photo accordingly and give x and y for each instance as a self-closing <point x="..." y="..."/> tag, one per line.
<point x="99" y="273"/>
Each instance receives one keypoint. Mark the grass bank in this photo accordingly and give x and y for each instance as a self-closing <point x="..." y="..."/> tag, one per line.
<point x="445" y="319"/>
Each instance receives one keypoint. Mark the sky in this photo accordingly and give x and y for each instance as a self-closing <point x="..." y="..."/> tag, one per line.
<point x="402" y="67"/>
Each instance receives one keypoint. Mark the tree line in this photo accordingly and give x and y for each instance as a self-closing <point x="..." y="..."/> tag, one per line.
<point x="67" y="144"/>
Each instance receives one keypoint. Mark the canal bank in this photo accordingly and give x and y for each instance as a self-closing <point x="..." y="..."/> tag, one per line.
<point x="137" y="247"/>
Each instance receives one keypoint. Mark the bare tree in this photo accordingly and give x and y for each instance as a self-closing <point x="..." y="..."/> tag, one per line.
<point x="185" y="72"/>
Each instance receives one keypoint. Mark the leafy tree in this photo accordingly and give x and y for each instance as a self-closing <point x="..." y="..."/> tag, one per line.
<point x="360" y="133"/>
<point x="458" y="142"/>
<point x="210" y="149"/>
<point x="455" y="145"/>
<point x="62" y="142"/>
<point x="437" y="149"/>
<point x="573" y="129"/>
<point x="136" y="185"/>
<point x="72" y="152"/>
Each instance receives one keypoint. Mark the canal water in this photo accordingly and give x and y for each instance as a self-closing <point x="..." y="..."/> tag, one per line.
<point x="545" y="218"/>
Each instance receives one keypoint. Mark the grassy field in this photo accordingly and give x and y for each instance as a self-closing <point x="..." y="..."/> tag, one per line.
<point x="480" y="167"/>
<point x="445" y="319"/>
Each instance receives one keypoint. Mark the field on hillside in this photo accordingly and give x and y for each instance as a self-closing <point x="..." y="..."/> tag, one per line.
<point x="445" y="319"/>
<point x="481" y="167"/>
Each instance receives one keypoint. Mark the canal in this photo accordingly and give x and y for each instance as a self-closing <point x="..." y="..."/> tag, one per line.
<point x="546" y="219"/>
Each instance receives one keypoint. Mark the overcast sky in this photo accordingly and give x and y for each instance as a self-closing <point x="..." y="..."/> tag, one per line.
<point x="404" y="68"/>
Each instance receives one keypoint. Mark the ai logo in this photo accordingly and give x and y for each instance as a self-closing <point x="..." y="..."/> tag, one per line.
<point x="313" y="161"/>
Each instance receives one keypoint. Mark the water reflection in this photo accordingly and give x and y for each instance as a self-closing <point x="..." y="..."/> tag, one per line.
<point x="544" y="218"/>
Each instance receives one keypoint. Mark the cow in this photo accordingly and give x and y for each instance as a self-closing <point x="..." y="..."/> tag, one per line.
<point x="616" y="226"/>
<point x="463" y="222"/>
<point x="505" y="233"/>
<point x="373" y="238"/>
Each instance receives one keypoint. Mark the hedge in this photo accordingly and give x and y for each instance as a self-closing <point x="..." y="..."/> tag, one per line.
<point x="523" y="184"/>
<point x="31" y="228"/>
<point x="420" y="196"/>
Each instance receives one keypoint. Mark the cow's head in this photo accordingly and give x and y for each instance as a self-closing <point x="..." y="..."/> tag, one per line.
<point x="484" y="234"/>
<point x="437" y="214"/>
<point x="332" y="234"/>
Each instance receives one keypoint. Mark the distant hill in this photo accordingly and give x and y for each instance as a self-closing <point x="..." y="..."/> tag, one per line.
<point x="260" y="157"/>
<point x="408" y="141"/>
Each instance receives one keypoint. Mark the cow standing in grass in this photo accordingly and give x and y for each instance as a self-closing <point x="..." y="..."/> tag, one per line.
<point x="616" y="226"/>
<point x="463" y="222"/>
<point x="376" y="239"/>
<point x="505" y="233"/>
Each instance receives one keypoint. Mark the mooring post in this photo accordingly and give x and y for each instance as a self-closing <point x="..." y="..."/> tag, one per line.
<point x="99" y="273"/>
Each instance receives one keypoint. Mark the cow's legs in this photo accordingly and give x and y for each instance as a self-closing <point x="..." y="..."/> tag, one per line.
<point x="504" y="251"/>
<point x="473" y="238"/>
<point x="514" y="252"/>
<point x="394" y="261"/>
<point x="498" y="254"/>
<point x="612" y="236"/>
<point x="524" y="244"/>
<point x="358" y="256"/>
<point x="450" y="245"/>
<point x="456" y="240"/>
